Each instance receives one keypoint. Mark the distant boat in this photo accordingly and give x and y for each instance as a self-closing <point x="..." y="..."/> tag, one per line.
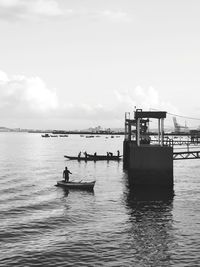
<point x="77" y="185"/>
<point x="45" y="135"/>
<point x="63" y="135"/>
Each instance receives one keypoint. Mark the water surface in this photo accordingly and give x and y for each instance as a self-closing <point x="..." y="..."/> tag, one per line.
<point x="43" y="225"/>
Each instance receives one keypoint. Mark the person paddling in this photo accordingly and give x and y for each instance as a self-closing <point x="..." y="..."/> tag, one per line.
<point x="66" y="174"/>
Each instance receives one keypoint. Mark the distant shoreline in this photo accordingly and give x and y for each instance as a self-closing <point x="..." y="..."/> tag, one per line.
<point x="57" y="132"/>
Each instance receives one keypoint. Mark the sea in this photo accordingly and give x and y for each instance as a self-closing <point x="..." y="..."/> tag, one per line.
<point x="45" y="225"/>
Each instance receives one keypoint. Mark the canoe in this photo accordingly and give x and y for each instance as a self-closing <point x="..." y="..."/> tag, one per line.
<point x="76" y="158"/>
<point x="94" y="158"/>
<point x="77" y="185"/>
<point x="104" y="157"/>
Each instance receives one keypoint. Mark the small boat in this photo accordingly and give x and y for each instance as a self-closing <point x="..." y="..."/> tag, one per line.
<point x="45" y="135"/>
<point x="77" y="185"/>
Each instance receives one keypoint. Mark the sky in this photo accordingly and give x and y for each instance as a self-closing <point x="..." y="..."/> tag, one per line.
<point x="74" y="64"/>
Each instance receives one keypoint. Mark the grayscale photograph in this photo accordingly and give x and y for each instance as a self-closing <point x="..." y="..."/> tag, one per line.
<point x="99" y="133"/>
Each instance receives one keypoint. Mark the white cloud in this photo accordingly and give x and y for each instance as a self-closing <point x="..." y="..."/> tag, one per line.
<point x="48" y="8"/>
<point x="3" y="77"/>
<point x="144" y="98"/>
<point x="25" y="99"/>
<point x="9" y="3"/>
<point x="116" y="16"/>
<point x="23" y="9"/>
<point x="25" y="96"/>
<point x="41" y="9"/>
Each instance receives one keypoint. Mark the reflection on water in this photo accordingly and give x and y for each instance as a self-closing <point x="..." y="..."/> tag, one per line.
<point x="150" y="224"/>
<point x="142" y="193"/>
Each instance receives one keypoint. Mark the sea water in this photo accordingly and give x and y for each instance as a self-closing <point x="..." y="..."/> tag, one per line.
<point x="44" y="225"/>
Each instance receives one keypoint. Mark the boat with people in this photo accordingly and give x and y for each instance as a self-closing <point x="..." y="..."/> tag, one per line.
<point x="45" y="135"/>
<point x="90" y="157"/>
<point x="109" y="156"/>
<point x="77" y="185"/>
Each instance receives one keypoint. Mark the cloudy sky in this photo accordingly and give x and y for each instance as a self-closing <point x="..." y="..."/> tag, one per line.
<point x="72" y="64"/>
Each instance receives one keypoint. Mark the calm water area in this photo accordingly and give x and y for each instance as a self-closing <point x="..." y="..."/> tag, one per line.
<point x="44" y="225"/>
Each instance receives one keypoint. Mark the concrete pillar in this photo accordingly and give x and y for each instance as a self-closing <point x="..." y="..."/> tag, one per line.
<point x="150" y="165"/>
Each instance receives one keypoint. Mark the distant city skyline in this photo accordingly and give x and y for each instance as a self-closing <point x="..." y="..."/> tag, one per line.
<point x="77" y="64"/>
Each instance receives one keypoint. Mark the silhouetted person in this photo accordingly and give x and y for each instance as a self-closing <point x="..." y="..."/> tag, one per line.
<point x="85" y="153"/>
<point x="118" y="153"/>
<point x="79" y="155"/>
<point x="66" y="174"/>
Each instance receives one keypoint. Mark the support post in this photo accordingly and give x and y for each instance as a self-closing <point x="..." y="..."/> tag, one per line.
<point x="138" y="132"/>
<point x="162" y="131"/>
<point x="159" y="131"/>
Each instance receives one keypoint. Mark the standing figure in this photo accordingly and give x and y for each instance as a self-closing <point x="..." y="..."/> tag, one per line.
<point x="118" y="153"/>
<point x="85" y="153"/>
<point x="66" y="174"/>
<point x="79" y="155"/>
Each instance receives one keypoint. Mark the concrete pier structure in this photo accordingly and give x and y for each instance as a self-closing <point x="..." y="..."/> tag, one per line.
<point x="147" y="164"/>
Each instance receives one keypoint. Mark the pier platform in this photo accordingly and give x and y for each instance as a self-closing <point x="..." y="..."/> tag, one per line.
<point x="186" y="155"/>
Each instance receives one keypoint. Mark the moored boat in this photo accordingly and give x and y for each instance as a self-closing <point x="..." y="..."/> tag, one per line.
<point x="45" y="135"/>
<point x="77" y="185"/>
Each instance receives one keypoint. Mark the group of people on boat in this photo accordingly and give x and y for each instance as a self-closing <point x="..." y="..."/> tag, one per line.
<point x="85" y="154"/>
<point x="109" y="154"/>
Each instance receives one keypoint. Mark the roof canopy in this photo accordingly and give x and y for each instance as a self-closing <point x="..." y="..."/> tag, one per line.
<point x="139" y="114"/>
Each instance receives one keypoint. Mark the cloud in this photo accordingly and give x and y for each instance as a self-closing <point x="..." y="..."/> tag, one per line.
<point x="116" y="16"/>
<point x="146" y="99"/>
<point x="25" y="96"/>
<point x="30" y="103"/>
<point x="43" y="9"/>
<point x="123" y="101"/>
<point x="23" y="9"/>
